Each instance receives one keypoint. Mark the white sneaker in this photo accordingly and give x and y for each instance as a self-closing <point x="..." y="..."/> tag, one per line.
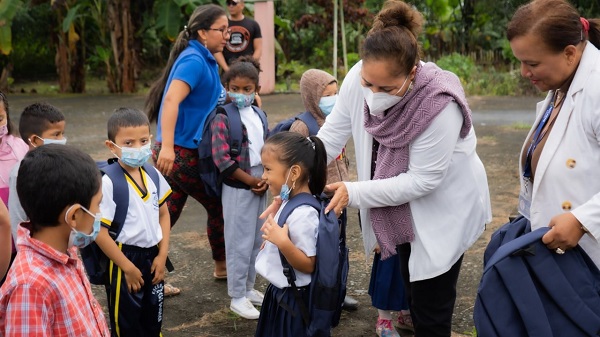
<point x="255" y="297"/>
<point x="244" y="308"/>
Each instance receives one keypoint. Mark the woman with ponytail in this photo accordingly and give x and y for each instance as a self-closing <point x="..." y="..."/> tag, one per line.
<point x="187" y="91"/>
<point x="423" y="190"/>
<point x="559" y="161"/>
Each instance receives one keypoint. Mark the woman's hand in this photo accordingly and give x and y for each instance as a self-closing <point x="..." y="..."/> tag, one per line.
<point x="565" y="232"/>
<point x="273" y="233"/>
<point x="166" y="158"/>
<point x="340" y="198"/>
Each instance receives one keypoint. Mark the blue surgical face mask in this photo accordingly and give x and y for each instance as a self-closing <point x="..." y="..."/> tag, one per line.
<point x="326" y="104"/>
<point x="47" y="141"/>
<point x="80" y="239"/>
<point x="285" y="189"/>
<point x="242" y="100"/>
<point x="134" y="156"/>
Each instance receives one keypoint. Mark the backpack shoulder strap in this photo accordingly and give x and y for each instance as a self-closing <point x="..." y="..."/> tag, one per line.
<point x="310" y="121"/>
<point x="295" y="202"/>
<point x="511" y="247"/>
<point x="263" y="119"/>
<point x="120" y="197"/>
<point x="288" y="271"/>
<point x="153" y="174"/>
<point x="236" y="132"/>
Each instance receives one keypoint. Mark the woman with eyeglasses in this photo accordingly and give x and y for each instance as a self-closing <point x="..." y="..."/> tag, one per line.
<point x="422" y="187"/>
<point x="187" y="91"/>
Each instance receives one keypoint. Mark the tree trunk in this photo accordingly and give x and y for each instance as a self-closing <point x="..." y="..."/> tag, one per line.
<point x="61" y="60"/>
<point x="122" y="41"/>
<point x="4" y="77"/>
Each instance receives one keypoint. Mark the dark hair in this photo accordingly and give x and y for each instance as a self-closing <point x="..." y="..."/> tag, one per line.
<point x="125" y="117"/>
<point x="394" y="37"/>
<point x="246" y="67"/>
<point x="52" y="177"/>
<point x="9" y="124"/>
<point x="37" y="118"/>
<point x="202" y="18"/>
<point x="294" y="149"/>
<point x="556" y="22"/>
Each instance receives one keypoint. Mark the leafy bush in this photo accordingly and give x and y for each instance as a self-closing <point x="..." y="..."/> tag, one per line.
<point x="478" y="80"/>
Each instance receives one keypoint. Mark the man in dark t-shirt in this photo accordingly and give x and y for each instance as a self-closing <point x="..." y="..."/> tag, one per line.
<point x="245" y="38"/>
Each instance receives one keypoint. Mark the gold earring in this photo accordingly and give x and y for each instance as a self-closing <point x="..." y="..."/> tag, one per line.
<point x="205" y="44"/>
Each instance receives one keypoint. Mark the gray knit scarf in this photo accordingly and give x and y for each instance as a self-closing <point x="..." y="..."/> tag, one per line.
<point x="433" y="88"/>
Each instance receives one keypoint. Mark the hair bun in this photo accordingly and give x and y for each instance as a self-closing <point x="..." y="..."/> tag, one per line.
<point x="396" y="13"/>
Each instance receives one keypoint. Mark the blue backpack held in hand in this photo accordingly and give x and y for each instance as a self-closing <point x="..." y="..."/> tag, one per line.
<point x="209" y="172"/>
<point x="306" y="117"/>
<point x="327" y="287"/>
<point x="529" y="290"/>
<point x="94" y="260"/>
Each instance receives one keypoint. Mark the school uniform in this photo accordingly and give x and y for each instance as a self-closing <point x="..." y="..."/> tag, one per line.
<point x="140" y="313"/>
<point x="241" y="207"/>
<point x="280" y="313"/>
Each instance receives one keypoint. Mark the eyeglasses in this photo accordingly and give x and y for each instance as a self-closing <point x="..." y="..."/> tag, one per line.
<point x="224" y="31"/>
<point x="232" y="3"/>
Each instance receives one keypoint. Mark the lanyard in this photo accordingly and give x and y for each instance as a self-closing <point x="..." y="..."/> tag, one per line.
<point x="537" y="138"/>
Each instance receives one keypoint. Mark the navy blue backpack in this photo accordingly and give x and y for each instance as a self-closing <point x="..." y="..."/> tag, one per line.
<point x="328" y="282"/>
<point x="306" y="117"/>
<point x="529" y="290"/>
<point x="209" y="172"/>
<point x="94" y="260"/>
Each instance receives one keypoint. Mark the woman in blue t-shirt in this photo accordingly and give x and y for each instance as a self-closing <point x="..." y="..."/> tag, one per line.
<point x="179" y="102"/>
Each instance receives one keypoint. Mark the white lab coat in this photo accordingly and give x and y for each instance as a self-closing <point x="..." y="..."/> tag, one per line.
<point x="567" y="176"/>
<point x="446" y="185"/>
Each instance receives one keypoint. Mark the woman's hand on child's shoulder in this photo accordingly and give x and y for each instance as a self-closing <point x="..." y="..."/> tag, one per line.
<point x="273" y="233"/>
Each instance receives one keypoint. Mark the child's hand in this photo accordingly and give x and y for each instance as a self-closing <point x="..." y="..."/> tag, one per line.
<point x="272" y="209"/>
<point x="273" y="233"/>
<point x="377" y="250"/>
<point x="260" y="188"/>
<point x="158" y="269"/>
<point x="133" y="277"/>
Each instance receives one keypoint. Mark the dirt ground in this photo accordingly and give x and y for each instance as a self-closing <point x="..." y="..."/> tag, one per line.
<point x="202" y="308"/>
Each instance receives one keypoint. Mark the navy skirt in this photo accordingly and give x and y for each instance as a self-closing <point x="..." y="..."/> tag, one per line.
<point x="280" y="313"/>
<point x="386" y="287"/>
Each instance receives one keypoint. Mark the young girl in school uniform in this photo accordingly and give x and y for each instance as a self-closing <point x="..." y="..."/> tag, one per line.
<point x="293" y="164"/>
<point x="243" y="191"/>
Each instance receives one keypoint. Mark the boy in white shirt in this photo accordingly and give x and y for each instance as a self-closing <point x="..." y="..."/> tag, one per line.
<point x="138" y="254"/>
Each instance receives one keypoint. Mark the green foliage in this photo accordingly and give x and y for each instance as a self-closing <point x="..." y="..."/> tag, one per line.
<point x="478" y="80"/>
<point x="33" y="52"/>
<point x="8" y="10"/>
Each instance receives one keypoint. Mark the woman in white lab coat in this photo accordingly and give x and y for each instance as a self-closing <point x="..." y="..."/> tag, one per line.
<point x="422" y="189"/>
<point x="560" y="159"/>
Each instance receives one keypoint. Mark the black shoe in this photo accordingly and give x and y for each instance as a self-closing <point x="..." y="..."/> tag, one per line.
<point x="350" y="304"/>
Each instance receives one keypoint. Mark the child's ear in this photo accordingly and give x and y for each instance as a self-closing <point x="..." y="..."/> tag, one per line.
<point x="109" y="145"/>
<point x="69" y="214"/>
<point x="35" y="140"/>
<point x="296" y="172"/>
<point x="257" y="90"/>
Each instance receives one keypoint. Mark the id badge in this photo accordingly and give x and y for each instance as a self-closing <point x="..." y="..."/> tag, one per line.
<point x="525" y="197"/>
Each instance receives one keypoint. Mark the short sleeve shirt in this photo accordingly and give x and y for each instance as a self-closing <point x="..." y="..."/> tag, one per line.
<point x="141" y="227"/>
<point x="199" y="70"/>
<point x="303" y="225"/>
<point x="241" y="41"/>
